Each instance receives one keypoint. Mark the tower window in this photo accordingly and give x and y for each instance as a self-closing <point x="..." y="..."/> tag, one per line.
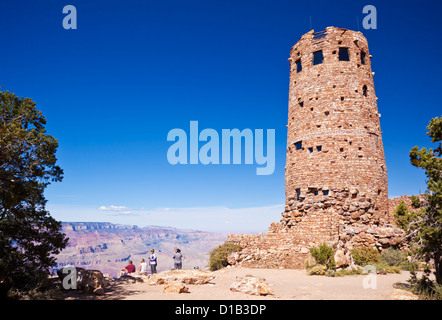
<point x="310" y="150"/>
<point x="364" y="90"/>
<point x="298" y="65"/>
<point x="316" y="192"/>
<point x="325" y="192"/>
<point x="301" y="104"/>
<point x="362" y="57"/>
<point x="319" y="148"/>
<point x="318" y="57"/>
<point x="298" y="194"/>
<point x="343" y="54"/>
<point x="298" y="145"/>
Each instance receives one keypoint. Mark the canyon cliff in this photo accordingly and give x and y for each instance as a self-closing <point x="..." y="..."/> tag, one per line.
<point x="108" y="247"/>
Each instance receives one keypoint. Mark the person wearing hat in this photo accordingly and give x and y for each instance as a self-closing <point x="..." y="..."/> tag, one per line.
<point x="153" y="261"/>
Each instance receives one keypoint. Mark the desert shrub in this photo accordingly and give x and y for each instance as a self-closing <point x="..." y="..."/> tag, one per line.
<point x="415" y="202"/>
<point x="318" y="270"/>
<point x="411" y="266"/>
<point x="218" y="256"/>
<point x="365" y="255"/>
<point x="437" y="291"/>
<point x="348" y="272"/>
<point x="330" y="273"/>
<point x="386" y="268"/>
<point x="424" y="287"/>
<point x="309" y="263"/>
<point x="392" y="257"/>
<point x="324" y="255"/>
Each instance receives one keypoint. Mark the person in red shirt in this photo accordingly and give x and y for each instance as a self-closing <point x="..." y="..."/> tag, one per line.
<point x="130" y="268"/>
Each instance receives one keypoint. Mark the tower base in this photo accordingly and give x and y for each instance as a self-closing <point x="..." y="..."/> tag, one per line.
<point x="346" y="221"/>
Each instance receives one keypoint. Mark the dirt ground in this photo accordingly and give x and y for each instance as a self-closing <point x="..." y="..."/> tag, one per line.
<point x="286" y="284"/>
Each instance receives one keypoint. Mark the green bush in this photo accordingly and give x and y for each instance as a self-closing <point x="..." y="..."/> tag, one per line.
<point x="324" y="255"/>
<point x="309" y="263"/>
<point x="411" y="266"/>
<point x="415" y="202"/>
<point x="437" y="291"/>
<point x="425" y="288"/>
<point x="392" y="257"/>
<point x="330" y="273"/>
<point x="384" y="267"/>
<point x="319" y="270"/>
<point x="365" y="255"/>
<point x="218" y="256"/>
<point x="348" y="272"/>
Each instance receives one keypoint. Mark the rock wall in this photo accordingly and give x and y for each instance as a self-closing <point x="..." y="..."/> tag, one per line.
<point x="284" y="246"/>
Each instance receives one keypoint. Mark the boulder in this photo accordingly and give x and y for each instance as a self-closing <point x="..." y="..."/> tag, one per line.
<point x="395" y="241"/>
<point x="232" y="258"/>
<point x="194" y="276"/>
<point x="305" y="250"/>
<point x="99" y="291"/>
<point x="87" y="280"/>
<point x="341" y="259"/>
<point x="251" y="285"/>
<point x="132" y="279"/>
<point x="91" y="280"/>
<point x="399" y="294"/>
<point x="175" y="287"/>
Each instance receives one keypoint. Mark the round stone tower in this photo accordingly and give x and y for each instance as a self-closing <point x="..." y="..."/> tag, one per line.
<point x="335" y="178"/>
<point x="335" y="170"/>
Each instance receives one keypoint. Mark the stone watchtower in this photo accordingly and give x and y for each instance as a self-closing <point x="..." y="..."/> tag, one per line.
<point x="335" y="174"/>
<point x="335" y="158"/>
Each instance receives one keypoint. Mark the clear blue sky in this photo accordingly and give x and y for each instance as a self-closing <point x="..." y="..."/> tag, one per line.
<point x="133" y="70"/>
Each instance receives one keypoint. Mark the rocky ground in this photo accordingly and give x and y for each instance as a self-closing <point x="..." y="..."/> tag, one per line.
<point x="238" y="283"/>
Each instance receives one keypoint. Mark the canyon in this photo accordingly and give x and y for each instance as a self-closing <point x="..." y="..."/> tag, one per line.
<point x="108" y="247"/>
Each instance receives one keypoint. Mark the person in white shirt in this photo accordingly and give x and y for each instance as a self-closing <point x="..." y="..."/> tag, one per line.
<point x="142" y="267"/>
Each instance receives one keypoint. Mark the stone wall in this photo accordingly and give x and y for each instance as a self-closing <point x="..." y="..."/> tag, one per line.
<point x="393" y="203"/>
<point x="287" y="244"/>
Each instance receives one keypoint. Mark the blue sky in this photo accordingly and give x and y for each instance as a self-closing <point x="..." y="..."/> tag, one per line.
<point x="133" y="70"/>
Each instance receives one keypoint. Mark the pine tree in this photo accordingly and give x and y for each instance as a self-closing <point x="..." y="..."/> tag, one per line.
<point x="29" y="236"/>
<point x="424" y="227"/>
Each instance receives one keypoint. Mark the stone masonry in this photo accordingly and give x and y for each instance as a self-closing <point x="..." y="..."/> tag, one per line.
<point x="335" y="175"/>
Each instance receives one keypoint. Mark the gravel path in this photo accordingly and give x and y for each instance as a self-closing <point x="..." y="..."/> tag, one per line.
<point x="287" y="284"/>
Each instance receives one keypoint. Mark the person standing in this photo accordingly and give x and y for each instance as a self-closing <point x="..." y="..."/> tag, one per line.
<point x="153" y="261"/>
<point x="177" y="259"/>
